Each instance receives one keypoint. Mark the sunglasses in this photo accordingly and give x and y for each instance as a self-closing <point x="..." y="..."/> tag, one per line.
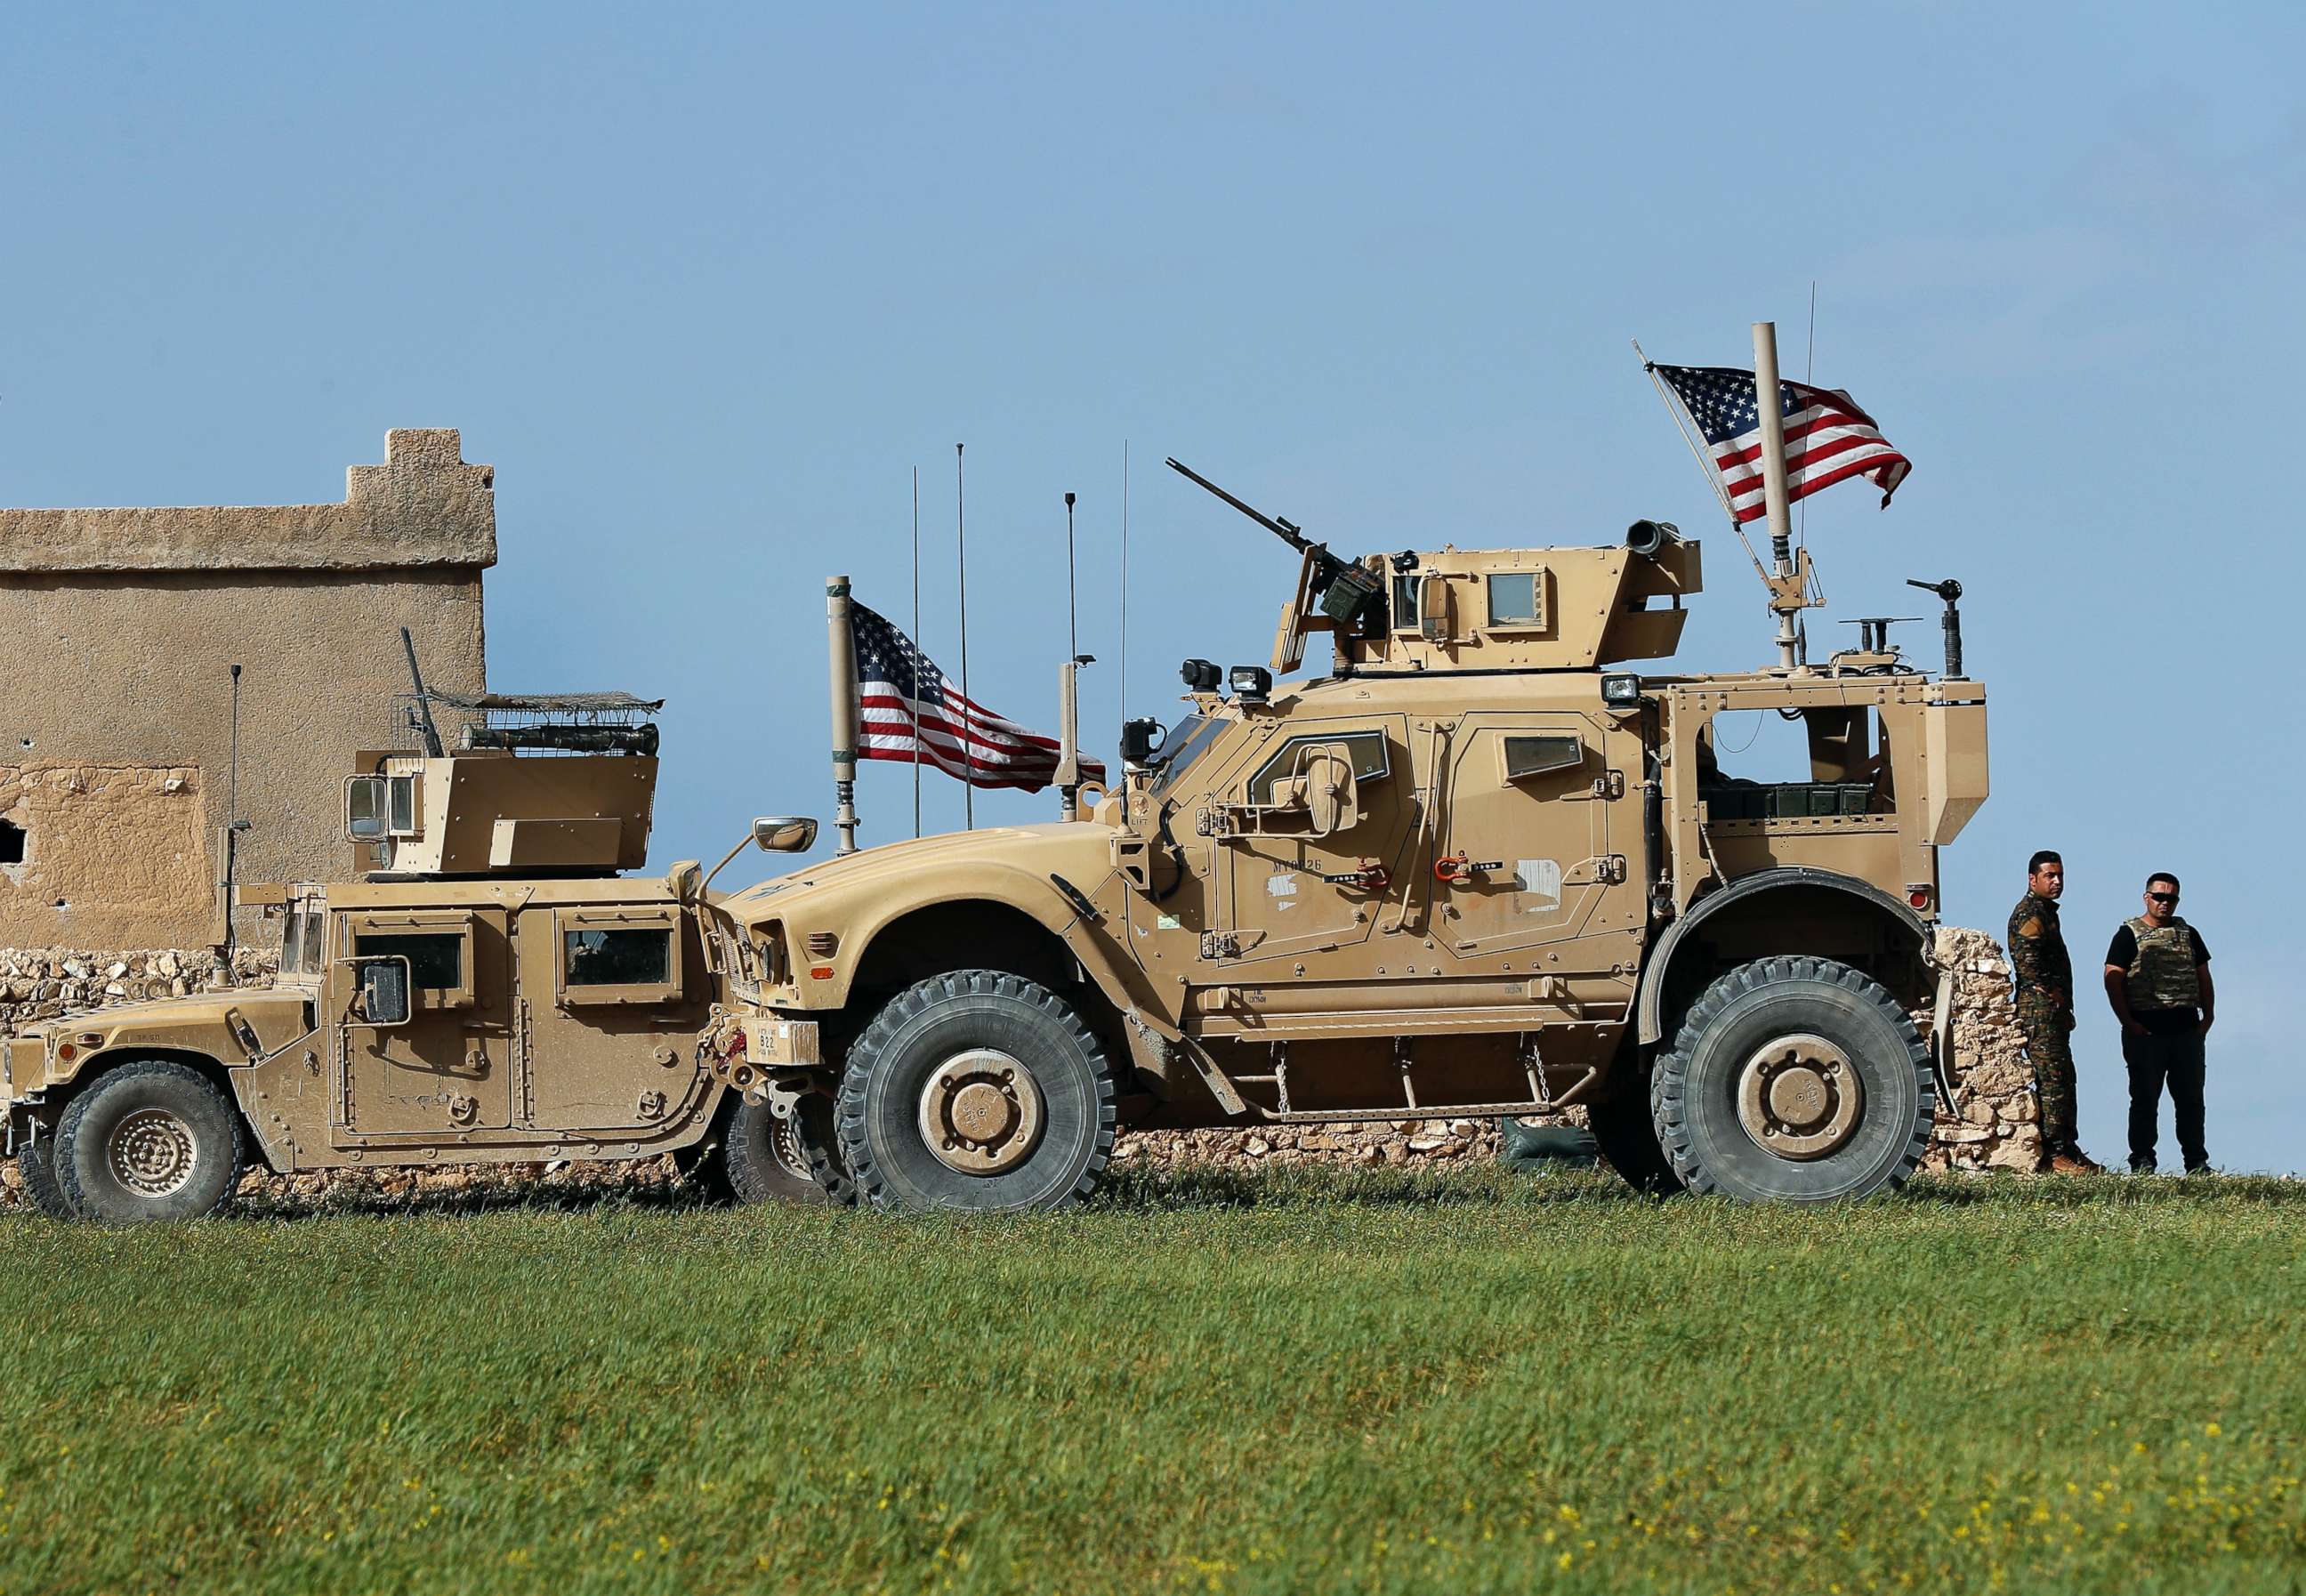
<point x="2163" y="897"/>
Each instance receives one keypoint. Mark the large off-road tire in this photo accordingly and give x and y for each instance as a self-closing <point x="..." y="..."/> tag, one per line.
<point x="980" y="1091"/>
<point x="762" y="1159"/>
<point x="816" y="1129"/>
<point x="148" y="1139"/>
<point x="36" y="1161"/>
<point x="1794" y="1079"/>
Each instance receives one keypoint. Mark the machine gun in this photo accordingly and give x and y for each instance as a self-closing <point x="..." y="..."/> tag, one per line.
<point x="1347" y="594"/>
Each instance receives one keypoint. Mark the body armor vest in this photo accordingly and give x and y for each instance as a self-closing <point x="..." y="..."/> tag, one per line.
<point x="2162" y="975"/>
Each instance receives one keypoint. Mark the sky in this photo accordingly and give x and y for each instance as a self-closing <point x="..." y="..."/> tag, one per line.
<point x="707" y="284"/>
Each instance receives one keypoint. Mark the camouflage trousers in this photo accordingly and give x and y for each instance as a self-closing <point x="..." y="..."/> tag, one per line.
<point x="2051" y="1054"/>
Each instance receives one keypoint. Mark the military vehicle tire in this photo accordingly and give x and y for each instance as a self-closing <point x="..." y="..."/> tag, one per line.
<point x="817" y="1128"/>
<point x="36" y="1162"/>
<point x="148" y="1139"/>
<point x="762" y="1160"/>
<point x="1794" y="1079"/>
<point x="980" y="1091"/>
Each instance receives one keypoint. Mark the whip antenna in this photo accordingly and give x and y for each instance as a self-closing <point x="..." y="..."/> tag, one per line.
<point x="968" y="706"/>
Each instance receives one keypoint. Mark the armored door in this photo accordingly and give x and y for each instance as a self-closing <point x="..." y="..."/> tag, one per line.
<point x="1293" y="880"/>
<point x="610" y="1002"/>
<point x="445" y="1070"/>
<point x="1539" y="842"/>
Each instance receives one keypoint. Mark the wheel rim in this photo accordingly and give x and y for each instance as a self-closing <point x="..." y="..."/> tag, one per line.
<point x="981" y="1112"/>
<point x="785" y="1150"/>
<point x="1800" y="1097"/>
<point x="152" y="1152"/>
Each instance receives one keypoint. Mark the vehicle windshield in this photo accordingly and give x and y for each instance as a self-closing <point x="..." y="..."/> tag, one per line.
<point x="1182" y="744"/>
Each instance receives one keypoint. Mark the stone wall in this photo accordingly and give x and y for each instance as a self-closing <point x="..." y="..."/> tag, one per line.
<point x="1991" y="1124"/>
<point x="118" y="632"/>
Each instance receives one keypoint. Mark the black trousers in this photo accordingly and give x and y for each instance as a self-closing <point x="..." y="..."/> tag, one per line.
<point x="2154" y="1060"/>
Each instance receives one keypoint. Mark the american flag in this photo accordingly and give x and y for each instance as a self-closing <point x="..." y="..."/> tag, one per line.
<point x="1828" y="437"/>
<point x="901" y="692"/>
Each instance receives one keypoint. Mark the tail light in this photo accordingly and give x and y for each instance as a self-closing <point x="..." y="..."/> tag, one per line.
<point x="1920" y="897"/>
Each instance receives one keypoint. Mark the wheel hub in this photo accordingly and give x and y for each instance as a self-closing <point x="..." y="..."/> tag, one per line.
<point x="981" y="1112"/>
<point x="152" y="1152"/>
<point x="1799" y="1096"/>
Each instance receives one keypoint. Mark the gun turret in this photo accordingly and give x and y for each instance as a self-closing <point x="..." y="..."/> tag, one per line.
<point x="1349" y="595"/>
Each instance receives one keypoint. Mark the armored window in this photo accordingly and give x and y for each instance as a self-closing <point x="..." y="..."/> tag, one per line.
<point x="401" y="805"/>
<point x="1408" y="591"/>
<point x="1539" y="754"/>
<point x="619" y="955"/>
<point x="1516" y="599"/>
<point x="316" y="927"/>
<point x="364" y="808"/>
<point x="436" y="959"/>
<point x="11" y="842"/>
<point x="1366" y="750"/>
<point x="617" y="958"/>
<point x="292" y="944"/>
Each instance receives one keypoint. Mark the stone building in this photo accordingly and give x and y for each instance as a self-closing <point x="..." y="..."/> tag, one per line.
<point x="118" y="630"/>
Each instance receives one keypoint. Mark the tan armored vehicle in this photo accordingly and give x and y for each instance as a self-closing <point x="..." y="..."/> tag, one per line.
<point x="489" y="989"/>
<point x="1478" y="868"/>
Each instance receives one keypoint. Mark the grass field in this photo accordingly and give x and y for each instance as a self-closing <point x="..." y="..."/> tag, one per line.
<point x="1375" y="1381"/>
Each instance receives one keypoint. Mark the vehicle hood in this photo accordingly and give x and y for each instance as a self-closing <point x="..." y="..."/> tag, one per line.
<point x="277" y="1013"/>
<point x="1081" y="851"/>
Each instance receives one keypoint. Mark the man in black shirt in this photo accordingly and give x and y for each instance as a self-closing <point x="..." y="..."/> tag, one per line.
<point x="2157" y="977"/>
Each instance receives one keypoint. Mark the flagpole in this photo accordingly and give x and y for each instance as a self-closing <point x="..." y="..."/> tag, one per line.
<point x="1770" y="402"/>
<point x="842" y="651"/>
<point x="1665" y="398"/>
<point x="968" y="730"/>
<point x="913" y="707"/>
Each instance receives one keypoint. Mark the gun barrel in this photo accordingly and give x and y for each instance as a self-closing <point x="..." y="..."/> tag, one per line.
<point x="423" y="704"/>
<point x="1288" y="532"/>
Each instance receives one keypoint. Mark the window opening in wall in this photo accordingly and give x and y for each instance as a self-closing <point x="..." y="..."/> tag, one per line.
<point x="11" y="842"/>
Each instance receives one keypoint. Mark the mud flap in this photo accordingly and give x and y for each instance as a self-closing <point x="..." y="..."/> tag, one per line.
<point x="1942" y="1040"/>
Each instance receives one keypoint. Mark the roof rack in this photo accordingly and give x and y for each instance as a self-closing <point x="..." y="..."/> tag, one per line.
<point x="551" y="722"/>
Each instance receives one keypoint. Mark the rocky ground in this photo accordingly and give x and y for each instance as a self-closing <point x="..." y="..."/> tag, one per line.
<point x="1991" y="1124"/>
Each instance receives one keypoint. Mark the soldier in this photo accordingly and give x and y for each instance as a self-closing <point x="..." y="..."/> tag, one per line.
<point x="2045" y="979"/>
<point x="2157" y="977"/>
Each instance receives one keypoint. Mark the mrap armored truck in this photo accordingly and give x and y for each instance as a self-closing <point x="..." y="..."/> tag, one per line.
<point x="491" y="987"/>
<point x="1478" y="868"/>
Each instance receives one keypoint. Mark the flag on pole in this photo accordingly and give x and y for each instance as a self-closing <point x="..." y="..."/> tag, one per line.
<point x="1828" y="437"/>
<point x="908" y="711"/>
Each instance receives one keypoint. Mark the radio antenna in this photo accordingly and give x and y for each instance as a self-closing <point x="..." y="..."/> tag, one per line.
<point x="1125" y="575"/>
<point x="913" y="707"/>
<point x="967" y="727"/>
<point x="1072" y="595"/>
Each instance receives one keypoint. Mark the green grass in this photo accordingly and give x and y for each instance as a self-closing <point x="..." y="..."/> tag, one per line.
<point x="1297" y="1380"/>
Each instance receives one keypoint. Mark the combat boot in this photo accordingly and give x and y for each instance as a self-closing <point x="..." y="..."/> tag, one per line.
<point x="2074" y="1161"/>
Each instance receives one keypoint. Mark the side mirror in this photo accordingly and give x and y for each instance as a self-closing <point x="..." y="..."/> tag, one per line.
<point x="784" y="833"/>
<point x="384" y="990"/>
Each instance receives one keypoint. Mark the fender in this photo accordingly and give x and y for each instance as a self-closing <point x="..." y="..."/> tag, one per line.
<point x="1651" y="1002"/>
<point x="1057" y="905"/>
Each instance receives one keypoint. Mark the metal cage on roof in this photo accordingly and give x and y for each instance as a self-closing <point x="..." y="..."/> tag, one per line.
<point x="547" y="722"/>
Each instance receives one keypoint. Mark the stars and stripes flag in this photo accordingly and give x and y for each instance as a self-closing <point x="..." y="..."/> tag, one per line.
<point x="907" y="711"/>
<point x="1828" y="437"/>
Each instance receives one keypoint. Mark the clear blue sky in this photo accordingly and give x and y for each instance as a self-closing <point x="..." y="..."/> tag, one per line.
<point x="704" y="283"/>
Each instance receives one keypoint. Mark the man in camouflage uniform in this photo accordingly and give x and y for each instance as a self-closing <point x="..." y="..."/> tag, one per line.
<point x="2157" y="977"/>
<point x="2045" y="977"/>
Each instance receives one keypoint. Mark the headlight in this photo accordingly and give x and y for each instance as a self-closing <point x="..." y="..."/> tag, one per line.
<point x="1621" y="691"/>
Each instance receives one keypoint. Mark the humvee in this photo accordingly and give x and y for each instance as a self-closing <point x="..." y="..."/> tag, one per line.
<point x="1477" y="868"/>
<point x="491" y="987"/>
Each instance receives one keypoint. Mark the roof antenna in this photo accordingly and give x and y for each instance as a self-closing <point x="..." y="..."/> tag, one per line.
<point x="968" y="704"/>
